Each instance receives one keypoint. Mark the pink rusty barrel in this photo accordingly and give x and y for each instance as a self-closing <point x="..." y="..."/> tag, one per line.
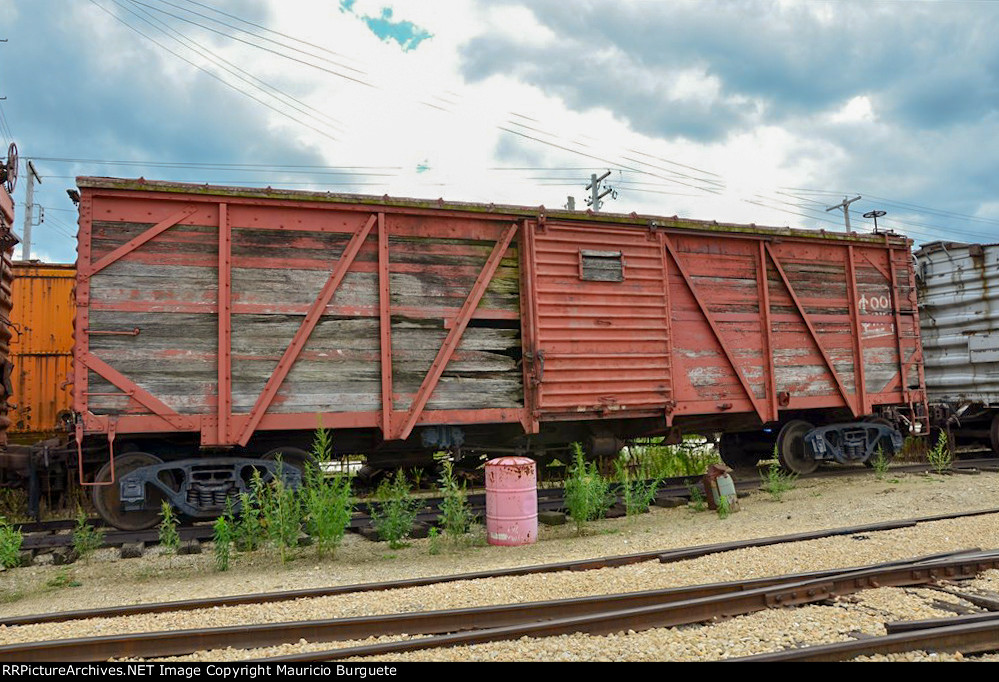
<point x="511" y="501"/>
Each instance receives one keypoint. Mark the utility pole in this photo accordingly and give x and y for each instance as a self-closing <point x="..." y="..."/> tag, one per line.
<point x="29" y="207"/>
<point x="845" y="205"/>
<point x="595" y="194"/>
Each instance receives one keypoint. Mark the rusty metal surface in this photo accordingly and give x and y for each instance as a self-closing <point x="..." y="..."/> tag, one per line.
<point x="959" y="316"/>
<point x="42" y="347"/>
<point x="968" y="638"/>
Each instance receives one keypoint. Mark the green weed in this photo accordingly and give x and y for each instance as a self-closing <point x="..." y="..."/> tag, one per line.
<point x="395" y="512"/>
<point x="169" y="538"/>
<point x="222" y="536"/>
<point x="698" y="502"/>
<point x="692" y="457"/>
<point x="326" y="499"/>
<point x="637" y="491"/>
<point x="435" y="540"/>
<point x="248" y="531"/>
<point x="587" y="494"/>
<point x="880" y="463"/>
<point x="724" y="508"/>
<point x="777" y="481"/>
<point x="62" y="579"/>
<point x="456" y="513"/>
<point x="86" y="538"/>
<point x="940" y="456"/>
<point x="10" y="545"/>
<point x="281" y="511"/>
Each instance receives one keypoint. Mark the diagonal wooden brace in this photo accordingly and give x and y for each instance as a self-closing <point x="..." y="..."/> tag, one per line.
<point x="815" y="335"/>
<point x="305" y="330"/>
<point x="155" y="405"/>
<point x="760" y="410"/>
<point x="146" y="236"/>
<point x="454" y="335"/>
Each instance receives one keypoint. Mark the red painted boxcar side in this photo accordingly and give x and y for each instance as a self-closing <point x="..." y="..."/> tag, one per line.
<point x="234" y="315"/>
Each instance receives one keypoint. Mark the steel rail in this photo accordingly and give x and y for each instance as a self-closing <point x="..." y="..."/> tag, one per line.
<point x="696" y="610"/>
<point x="967" y="638"/>
<point x="930" y="623"/>
<point x="576" y="565"/>
<point x="175" y="643"/>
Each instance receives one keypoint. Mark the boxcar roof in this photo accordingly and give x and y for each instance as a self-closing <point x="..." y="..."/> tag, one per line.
<point x="497" y="210"/>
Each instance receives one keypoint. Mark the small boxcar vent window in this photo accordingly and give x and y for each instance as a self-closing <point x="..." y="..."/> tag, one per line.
<point x="601" y="266"/>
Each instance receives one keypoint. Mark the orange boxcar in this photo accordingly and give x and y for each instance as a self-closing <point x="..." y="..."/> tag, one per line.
<point x="41" y="348"/>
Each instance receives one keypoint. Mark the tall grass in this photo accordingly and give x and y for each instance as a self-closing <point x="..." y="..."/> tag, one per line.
<point x="456" y="513"/>
<point x="281" y="511"/>
<point x="777" y="481"/>
<point x="86" y="538"/>
<point x="692" y="457"/>
<point x="940" y="456"/>
<point x="169" y="537"/>
<point x="325" y="499"/>
<point x="587" y="494"/>
<point x="10" y="545"/>
<point x="395" y="512"/>
<point x="638" y="487"/>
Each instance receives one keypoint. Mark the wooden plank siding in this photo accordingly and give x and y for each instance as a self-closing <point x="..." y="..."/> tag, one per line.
<point x="599" y="317"/>
<point x="168" y="289"/>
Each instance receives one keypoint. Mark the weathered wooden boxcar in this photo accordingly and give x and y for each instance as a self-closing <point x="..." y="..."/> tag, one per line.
<point x="215" y="325"/>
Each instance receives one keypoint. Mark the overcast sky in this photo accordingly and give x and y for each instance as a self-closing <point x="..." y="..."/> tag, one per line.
<point x="745" y="111"/>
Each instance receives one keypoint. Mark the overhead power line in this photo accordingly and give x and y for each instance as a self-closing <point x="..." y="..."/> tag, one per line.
<point x="283" y="97"/>
<point x="257" y="46"/>
<point x="203" y="69"/>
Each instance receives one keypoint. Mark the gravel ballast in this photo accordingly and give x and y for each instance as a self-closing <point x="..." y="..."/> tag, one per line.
<point x="814" y="504"/>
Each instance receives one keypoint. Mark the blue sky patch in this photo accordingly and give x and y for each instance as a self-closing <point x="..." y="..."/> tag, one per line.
<point x="406" y="33"/>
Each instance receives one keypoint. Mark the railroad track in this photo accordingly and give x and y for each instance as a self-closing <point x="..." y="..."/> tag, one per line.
<point x="604" y="614"/>
<point x="663" y="556"/>
<point x="973" y="634"/>
<point x="580" y="613"/>
<point x="49" y="535"/>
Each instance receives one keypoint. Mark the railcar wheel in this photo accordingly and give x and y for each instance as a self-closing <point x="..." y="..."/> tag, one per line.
<point x="736" y="453"/>
<point x="296" y="457"/>
<point x="994" y="434"/>
<point x="792" y="451"/>
<point x="107" y="498"/>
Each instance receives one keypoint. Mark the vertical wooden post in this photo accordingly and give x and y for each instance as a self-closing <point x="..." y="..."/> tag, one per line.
<point x="859" y="383"/>
<point x="225" y="326"/>
<point x="385" y="326"/>
<point x="769" y="376"/>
